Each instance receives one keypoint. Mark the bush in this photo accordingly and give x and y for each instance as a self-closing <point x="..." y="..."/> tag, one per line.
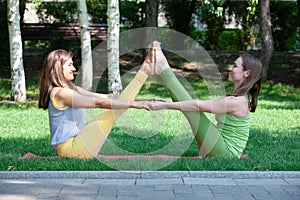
<point x="284" y="26"/>
<point x="229" y="40"/>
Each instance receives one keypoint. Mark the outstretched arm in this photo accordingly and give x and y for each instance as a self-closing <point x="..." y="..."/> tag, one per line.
<point x="68" y="97"/>
<point x="93" y="94"/>
<point x="233" y="105"/>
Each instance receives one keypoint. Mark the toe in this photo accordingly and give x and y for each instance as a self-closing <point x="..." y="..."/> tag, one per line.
<point x="156" y="45"/>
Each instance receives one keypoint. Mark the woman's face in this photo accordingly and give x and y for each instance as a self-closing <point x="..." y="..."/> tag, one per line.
<point x="68" y="70"/>
<point x="237" y="73"/>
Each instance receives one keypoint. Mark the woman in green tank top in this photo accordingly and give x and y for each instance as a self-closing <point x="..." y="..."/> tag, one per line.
<point x="229" y="137"/>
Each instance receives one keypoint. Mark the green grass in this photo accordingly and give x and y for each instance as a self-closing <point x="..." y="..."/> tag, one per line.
<point x="273" y="144"/>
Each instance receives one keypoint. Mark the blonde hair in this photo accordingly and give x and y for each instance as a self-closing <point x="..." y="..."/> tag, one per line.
<point x="251" y="85"/>
<point x="52" y="75"/>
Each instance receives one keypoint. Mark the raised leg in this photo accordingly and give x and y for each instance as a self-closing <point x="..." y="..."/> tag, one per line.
<point x="208" y="137"/>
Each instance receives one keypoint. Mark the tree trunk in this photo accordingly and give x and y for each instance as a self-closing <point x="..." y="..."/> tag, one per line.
<point x="151" y="22"/>
<point x="151" y="13"/>
<point x="267" y="45"/>
<point x="113" y="14"/>
<point x="86" y="70"/>
<point x="18" y="90"/>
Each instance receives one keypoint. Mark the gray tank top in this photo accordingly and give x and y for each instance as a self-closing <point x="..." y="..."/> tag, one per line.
<point x="64" y="122"/>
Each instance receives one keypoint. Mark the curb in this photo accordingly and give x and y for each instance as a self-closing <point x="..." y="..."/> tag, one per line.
<point x="148" y="174"/>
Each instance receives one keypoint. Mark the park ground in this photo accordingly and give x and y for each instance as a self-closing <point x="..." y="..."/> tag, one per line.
<point x="274" y="140"/>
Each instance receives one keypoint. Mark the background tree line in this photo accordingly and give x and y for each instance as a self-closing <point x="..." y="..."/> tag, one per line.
<point x="181" y="15"/>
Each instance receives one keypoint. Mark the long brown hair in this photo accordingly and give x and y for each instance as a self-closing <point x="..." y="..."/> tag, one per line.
<point x="251" y="85"/>
<point x="52" y="75"/>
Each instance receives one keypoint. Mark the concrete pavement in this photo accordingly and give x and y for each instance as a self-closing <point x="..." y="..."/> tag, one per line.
<point x="131" y="185"/>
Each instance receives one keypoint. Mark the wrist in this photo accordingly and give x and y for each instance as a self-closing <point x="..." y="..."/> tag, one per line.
<point x="133" y="104"/>
<point x="177" y="106"/>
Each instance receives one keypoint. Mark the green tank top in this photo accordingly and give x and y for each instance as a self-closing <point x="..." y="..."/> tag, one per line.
<point x="235" y="131"/>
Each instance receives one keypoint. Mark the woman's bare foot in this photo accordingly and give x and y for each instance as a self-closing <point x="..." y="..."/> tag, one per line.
<point x="148" y="65"/>
<point x="161" y="62"/>
<point x="155" y="62"/>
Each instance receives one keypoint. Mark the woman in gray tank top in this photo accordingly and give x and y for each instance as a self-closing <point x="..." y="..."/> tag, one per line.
<point x="70" y="135"/>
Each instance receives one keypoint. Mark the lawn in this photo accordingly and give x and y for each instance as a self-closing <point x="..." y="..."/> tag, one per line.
<point x="273" y="144"/>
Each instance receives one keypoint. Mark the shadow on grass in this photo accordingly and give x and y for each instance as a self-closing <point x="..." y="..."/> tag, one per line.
<point x="267" y="151"/>
<point x="281" y="97"/>
<point x="275" y="150"/>
<point x="11" y="105"/>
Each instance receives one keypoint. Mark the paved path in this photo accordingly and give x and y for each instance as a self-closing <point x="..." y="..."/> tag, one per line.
<point x="162" y="185"/>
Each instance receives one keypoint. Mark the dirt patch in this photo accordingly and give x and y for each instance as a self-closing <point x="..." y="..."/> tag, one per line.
<point x="284" y="67"/>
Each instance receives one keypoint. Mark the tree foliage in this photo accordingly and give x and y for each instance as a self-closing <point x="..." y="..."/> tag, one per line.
<point x="284" y="26"/>
<point x="215" y="24"/>
<point x="132" y="14"/>
<point x="57" y="12"/>
<point x="97" y="9"/>
<point x="179" y="14"/>
<point x="248" y="21"/>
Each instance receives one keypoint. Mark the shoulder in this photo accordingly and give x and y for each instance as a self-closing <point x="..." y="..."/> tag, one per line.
<point x="54" y="91"/>
<point x="62" y="91"/>
<point x="237" y="105"/>
<point x="237" y="99"/>
<point x="58" y="91"/>
<point x="61" y="96"/>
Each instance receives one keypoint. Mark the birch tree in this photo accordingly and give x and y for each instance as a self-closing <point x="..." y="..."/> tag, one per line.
<point x="18" y="90"/>
<point x="113" y="21"/>
<point x="86" y="49"/>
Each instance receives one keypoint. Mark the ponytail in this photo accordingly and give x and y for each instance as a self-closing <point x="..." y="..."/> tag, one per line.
<point x="254" y="92"/>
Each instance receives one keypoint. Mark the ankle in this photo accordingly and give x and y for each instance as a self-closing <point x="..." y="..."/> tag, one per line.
<point x="146" y="68"/>
<point x="161" y="67"/>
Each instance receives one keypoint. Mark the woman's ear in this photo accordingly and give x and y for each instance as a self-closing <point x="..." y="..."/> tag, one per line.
<point x="246" y="73"/>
